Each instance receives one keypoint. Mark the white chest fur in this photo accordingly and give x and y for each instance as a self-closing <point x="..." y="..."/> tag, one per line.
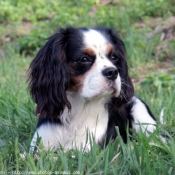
<point x="86" y="117"/>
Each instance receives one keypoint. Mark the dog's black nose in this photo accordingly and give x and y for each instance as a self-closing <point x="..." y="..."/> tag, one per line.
<point x="111" y="73"/>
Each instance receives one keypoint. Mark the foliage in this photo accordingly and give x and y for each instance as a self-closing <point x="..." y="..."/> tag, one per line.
<point x="139" y="9"/>
<point x="158" y="81"/>
<point x="29" y="45"/>
<point x="48" y="16"/>
<point x="19" y="44"/>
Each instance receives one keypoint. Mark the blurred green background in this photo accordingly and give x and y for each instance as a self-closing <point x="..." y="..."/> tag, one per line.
<point x="148" y="30"/>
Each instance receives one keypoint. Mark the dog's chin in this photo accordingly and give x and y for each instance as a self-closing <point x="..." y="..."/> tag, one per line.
<point x="105" y="92"/>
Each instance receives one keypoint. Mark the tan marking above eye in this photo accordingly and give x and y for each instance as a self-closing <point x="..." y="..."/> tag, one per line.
<point x="89" y="51"/>
<point x="109" y="49"/>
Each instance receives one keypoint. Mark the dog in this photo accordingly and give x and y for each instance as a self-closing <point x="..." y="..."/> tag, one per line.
<point x="80" y="83"/>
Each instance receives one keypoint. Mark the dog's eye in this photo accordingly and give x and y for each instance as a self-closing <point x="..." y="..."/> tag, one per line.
<point x="85" y="60"/>
<point x="114" y="57"/>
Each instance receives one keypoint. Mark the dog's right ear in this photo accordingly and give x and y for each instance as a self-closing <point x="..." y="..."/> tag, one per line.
<point x="49" y="77"/>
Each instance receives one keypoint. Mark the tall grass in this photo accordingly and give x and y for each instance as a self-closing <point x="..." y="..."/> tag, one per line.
<point x="17" y="125"/>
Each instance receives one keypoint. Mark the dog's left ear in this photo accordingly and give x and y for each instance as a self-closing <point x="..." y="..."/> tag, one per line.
<point x="127" y="89"/>
<point x="49" y="77"/>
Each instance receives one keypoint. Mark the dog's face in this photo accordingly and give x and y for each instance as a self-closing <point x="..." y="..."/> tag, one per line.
<point x="93" y="62"/>
<point x="90" y="62"/>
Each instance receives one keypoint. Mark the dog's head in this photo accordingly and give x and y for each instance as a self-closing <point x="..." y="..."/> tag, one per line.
<point x="90" y="62"/>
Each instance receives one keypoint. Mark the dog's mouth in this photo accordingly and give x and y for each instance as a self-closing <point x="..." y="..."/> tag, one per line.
<point x="107" y="91"/>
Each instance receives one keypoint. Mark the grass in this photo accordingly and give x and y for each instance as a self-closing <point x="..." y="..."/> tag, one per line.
<point x="17" y="120"/>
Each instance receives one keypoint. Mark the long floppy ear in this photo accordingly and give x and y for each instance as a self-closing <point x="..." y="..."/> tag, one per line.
<point x="127" y="89"/>
<point x="49" y="77"/>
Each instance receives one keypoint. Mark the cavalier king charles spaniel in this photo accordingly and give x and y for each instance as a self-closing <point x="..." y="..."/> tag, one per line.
<point x="79" y="81"/>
